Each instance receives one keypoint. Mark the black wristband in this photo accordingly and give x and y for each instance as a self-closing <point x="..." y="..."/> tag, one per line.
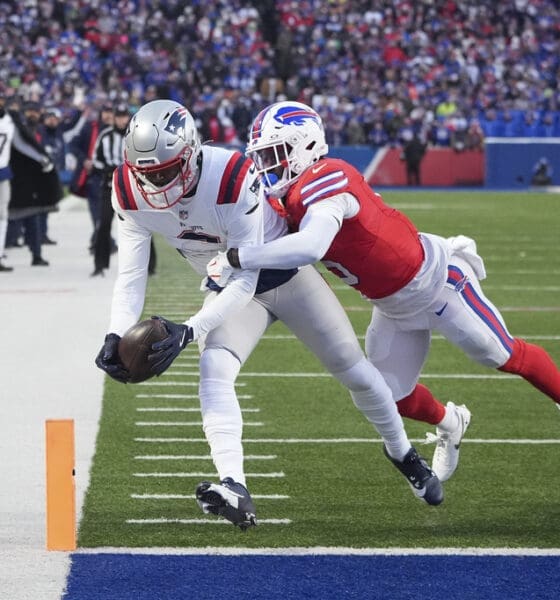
<point x="233" y="258"/>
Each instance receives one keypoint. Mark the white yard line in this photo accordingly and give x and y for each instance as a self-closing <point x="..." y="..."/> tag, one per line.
<point x="162" y="521"/>
<point x="201" y="457"/>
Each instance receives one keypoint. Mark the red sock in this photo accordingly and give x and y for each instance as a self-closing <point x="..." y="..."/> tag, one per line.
<point x="534" y="364"/>
<point x="421" y="406"/>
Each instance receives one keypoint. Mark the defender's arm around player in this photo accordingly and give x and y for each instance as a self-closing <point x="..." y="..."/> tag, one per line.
<point x="207" y="199"/>
<point x="417" y="282"/>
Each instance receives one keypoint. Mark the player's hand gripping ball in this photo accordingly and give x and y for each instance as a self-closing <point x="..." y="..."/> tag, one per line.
<point x="135" y="347"/>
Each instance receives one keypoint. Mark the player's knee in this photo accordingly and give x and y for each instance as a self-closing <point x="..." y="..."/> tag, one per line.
<point x="488" y="352"/>
<point x="342" y="357"/>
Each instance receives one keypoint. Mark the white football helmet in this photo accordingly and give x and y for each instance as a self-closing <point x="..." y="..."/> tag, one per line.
<point x="285" y="139"/>
<point x="162" y="147"/>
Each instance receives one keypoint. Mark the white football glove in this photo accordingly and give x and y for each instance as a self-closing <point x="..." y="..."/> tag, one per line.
<point x="219" y="270"/>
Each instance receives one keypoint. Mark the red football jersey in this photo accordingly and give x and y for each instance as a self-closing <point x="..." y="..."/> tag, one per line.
<point x="378" y="251"/>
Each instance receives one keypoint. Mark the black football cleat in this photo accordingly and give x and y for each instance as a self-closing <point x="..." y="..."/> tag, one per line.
<point x="227" y="499"/>
<point x="421" y="478"/>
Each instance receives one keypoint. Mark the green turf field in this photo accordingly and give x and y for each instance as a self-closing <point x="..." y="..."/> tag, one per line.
<point x="312" y="455"/>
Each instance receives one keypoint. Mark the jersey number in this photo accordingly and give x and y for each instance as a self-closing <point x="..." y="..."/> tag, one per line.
<point x="342" y="272"/>
<point x="3" y="138"/>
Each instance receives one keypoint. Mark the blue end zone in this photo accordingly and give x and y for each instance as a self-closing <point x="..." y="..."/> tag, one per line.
<point x="332" y="577"/>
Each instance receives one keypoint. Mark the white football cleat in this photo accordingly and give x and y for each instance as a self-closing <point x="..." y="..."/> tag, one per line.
<point x="446" y="455"/>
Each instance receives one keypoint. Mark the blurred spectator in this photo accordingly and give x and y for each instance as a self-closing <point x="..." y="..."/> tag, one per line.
<point x="542" y="173"/>
<point x="412" y="154"/>
<point x="6" y="135"/>
<point x="363" y="62"/>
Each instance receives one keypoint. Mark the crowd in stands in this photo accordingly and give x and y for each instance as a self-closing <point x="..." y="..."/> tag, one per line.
<point x="452" y="71"/>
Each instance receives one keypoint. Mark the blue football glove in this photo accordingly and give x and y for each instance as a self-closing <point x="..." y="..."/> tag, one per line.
<point x="108" y="359"/>
<point x="167" y="350"/>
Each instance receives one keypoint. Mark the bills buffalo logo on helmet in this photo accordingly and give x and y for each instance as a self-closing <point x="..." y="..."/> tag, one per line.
<point x="176" y="122"/>
<point x="293" y="115"/>
<point x="285" y="115"/>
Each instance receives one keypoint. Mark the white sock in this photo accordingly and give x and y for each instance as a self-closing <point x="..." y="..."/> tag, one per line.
<point x="221" y="414"/>
<point x="450" y="421"/>
<point x="373" y="397"/>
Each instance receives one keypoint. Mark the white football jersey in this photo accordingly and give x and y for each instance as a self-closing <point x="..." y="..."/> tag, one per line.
<point x="6" y="136"/>
<point x="224" y="210"/>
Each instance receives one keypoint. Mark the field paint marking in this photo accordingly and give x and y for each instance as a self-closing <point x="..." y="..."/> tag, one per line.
<point x="192" y="496"/>
<point x="201" y="457"/>
<point x="348" y="441"/>
<point x="317" y="374"/>
<point x="187" y="424"/>
<point x="201" y="521"/>
<point x="277" y="475"/>
<point x="500" y="308"/>
<point x="186" y="396"/>
<point x="508" y="288"/>
<point x="176" y="383"/>
<point x="325" y="550"/>
<point x="282" y="337"/>
<point x="189" y="410"/>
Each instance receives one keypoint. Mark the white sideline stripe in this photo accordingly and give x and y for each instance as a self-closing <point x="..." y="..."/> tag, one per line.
<point x="351" y="441"/>
<point x="200" y="457"/>
<point x="189" y="410"/>
<point x="325" y="551"/>
<point x="187" y="423"/>
<point x="186" y="396"/>
<point x="209" y="475"/>
<point x="201" y="521"/>
<point x="192" y="496"/>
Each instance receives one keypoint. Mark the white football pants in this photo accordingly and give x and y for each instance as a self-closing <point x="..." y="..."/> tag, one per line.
<point x="309" y="308"/>
<point x="5" y="190"/>
<point x="460" y="312"/>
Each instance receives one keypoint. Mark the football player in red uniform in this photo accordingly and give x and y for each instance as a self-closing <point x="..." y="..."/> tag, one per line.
<point x="418" y="282"/>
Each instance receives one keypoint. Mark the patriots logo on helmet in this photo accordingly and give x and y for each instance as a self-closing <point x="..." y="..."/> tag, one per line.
<point x="176" y="122"/>
<point x="293" y="115"/>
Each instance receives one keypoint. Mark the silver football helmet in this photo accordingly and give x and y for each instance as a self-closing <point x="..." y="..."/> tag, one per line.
<point x="285" y="139"/>
<point x="162" y="147"/>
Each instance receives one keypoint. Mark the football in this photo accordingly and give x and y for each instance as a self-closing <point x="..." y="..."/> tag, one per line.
<point x="136" y="345"/>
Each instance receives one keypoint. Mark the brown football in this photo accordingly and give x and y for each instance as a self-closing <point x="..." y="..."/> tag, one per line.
<point x="136" y="345"/>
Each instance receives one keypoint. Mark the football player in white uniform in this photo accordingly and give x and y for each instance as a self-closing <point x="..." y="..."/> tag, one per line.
<point x="202" y="199"/>
<point x="6" y="136"/>
<point x="417" y="282"/>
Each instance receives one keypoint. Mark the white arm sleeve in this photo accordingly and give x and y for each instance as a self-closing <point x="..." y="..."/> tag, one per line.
<point x="237" y="293"/>
<point x="130" y="286"/>
<point x="317" y="230"/>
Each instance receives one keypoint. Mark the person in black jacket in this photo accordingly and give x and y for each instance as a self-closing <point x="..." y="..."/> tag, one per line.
<point x="413" y="153"/>
<point x="36" y="187"/>
<point x="86" y="181"/>
<point x="108" y="154"/>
